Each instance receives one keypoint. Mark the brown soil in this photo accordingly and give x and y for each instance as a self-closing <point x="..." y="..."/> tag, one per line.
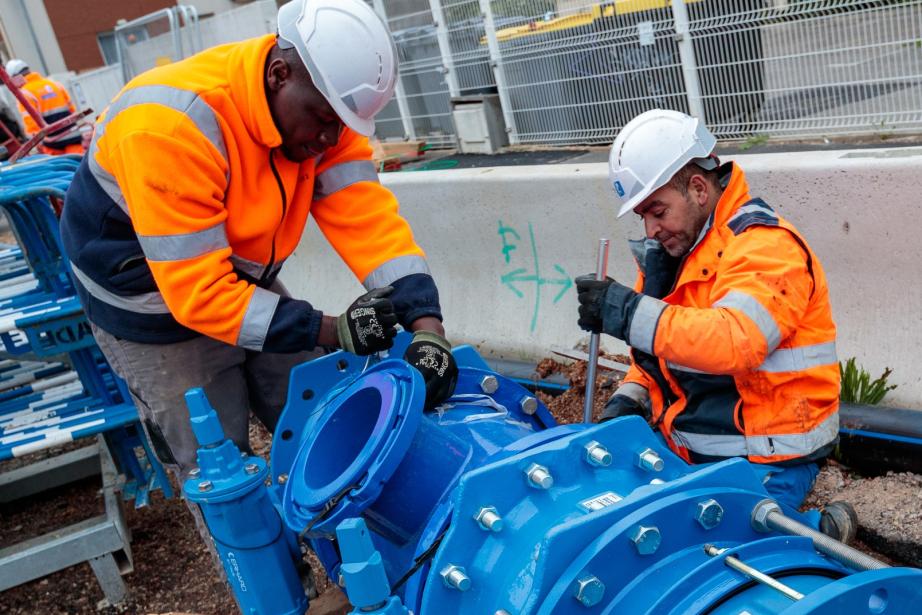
<point x="174" y="572"/>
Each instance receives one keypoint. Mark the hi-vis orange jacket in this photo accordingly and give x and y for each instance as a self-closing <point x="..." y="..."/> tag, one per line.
<point x="738" y="358"/>
<point x="53" y="103"/>
<point x="184" y="210"/>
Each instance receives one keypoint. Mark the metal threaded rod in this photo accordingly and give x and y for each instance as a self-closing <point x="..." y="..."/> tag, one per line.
<point x="601" y="270"/>
<point x="767" y="516"/>
<point x="755" y="575"/>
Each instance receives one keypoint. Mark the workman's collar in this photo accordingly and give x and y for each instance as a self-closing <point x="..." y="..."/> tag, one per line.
<point x="247" y="77"/>
<point x="32" y="76"/>
<point x="734" y="196"/>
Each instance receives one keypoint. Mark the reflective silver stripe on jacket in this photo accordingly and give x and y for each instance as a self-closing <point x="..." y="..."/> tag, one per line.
<point x="800" y="358"/>
<point x="395" y="269"/>
<point x="147" y="303"/>
<point x="185" y="245"/>
<point x="783" y="359"/>
<point x="643" y="324"/>
<point x="799" y="444"/>
<point x="675" y="367"/>
<point x="61" y="109"/>
<point x="188" y="103"/>
<point x="343" y="175"/>
<point x="637" y="392"/>
<point x="752" y="208"/>
<point x="251" y="268"/>
<point x="756" y="312"/>
<point x="257" y="319"/>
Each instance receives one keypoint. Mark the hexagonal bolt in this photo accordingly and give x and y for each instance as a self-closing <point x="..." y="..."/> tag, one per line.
<point x="194" y="473"/>
<point x="589" y="590"/>
<point x="709" y="514"/>
<point x="646" y="539"/>
<point x="244" y="454"/>
<point x="489" y="384"/>
<point x="456" y="577"/>
<point x="539" y="476"/>
<point x="488" y="519"/>
<point x="597" y="455"/>
<point x="657" y="481"/>
<point x="205" y="485"/>
<point x="283" y="478"/>
<point x="251" y="468"/>
<point x="529" y="405"/>
<point x="649" y="460"/>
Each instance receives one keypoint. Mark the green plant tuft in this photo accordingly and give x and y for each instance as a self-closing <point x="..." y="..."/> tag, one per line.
<point x="857" y="386"/>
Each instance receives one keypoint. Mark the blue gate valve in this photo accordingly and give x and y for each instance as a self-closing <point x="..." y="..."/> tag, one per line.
<point x="254" y="546"/>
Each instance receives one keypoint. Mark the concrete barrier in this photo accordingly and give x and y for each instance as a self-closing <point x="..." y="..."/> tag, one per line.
<point x="504" y="244"/>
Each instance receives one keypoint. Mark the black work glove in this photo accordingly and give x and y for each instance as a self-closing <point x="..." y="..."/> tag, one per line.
<point x="430" y="353"/>
<point x="369" y="325"/>
<point x="622" y="405"/>
<point x="591" y="295"/>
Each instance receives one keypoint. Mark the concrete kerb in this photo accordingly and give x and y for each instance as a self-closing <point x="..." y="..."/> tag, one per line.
<point x="502" y="243"/>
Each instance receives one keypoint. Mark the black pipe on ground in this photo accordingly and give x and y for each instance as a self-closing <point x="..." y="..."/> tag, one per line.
<point x="875" y="439"/>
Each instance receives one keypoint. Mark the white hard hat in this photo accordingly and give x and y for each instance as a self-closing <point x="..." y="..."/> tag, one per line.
<point x="652" y="148"/>
<point x="16" y="66"/>
<point x="348" y="52"/>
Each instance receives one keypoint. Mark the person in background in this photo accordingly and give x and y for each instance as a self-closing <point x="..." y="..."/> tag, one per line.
<point x="53" y="103"/>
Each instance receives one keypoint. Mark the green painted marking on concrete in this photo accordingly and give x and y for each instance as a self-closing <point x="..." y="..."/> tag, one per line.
<point x="515" y="278"/>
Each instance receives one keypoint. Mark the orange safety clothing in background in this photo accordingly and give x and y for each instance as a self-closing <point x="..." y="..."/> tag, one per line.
<point x="185" y="209"/>
<point x="52" y="102"/>
<point x="735" y="353"/>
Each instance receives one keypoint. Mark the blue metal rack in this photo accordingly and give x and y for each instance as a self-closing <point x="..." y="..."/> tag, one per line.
<point x="56" y="387"/>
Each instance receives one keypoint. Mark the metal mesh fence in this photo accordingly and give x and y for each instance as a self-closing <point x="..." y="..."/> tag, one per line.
<point x="812" y="68"/>
<point x="575" y="71"/>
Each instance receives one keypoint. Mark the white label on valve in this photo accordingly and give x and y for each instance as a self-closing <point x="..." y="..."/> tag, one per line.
<point x="601" y="501"/>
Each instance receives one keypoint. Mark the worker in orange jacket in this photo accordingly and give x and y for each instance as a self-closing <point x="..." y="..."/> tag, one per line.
<point x="53" y="103"/>
<point x="196" y="189"/>
<point x="730" y="325"/>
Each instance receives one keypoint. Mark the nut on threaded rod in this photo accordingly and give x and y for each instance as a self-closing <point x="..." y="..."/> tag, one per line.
<point x="597" y="455"/>
<point x="488" y="519"/>
<point x="649" y="460"/>
<point x="755" y="575"/>
<point x="767" y="517"/>
<point x="456" y="577"/>
<point x="539" y="476"/>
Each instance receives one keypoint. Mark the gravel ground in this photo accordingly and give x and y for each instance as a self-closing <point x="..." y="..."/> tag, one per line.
<point x="174" y="572"/>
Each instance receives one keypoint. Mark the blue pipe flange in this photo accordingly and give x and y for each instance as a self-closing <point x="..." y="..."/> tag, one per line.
<point x="356" y="444"/>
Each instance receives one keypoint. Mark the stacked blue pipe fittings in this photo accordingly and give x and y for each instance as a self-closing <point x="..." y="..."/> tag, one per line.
<point x="486" y="506"/>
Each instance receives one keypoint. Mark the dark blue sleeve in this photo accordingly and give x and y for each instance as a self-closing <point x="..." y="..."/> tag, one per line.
<point x="415" y="296"/>
<point x="294" y="327"/>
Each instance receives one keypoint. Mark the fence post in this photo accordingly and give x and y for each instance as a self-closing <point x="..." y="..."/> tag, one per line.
<point x="448" y="63"/>
<point x="499" y="73"/>
<point x="405" y="117"/>
<point x="687" y="56"/>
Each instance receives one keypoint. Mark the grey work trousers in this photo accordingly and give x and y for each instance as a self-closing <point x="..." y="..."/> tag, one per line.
<point x="235" y="380"/>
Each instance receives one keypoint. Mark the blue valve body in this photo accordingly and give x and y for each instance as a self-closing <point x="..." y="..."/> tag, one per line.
<point x="255" y="548"/>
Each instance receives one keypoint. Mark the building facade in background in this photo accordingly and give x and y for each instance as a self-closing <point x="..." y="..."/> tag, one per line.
<point x="59" y="36"/>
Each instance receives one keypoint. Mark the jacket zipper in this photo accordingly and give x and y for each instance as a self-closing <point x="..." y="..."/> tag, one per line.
<point x="278" y="180"/>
